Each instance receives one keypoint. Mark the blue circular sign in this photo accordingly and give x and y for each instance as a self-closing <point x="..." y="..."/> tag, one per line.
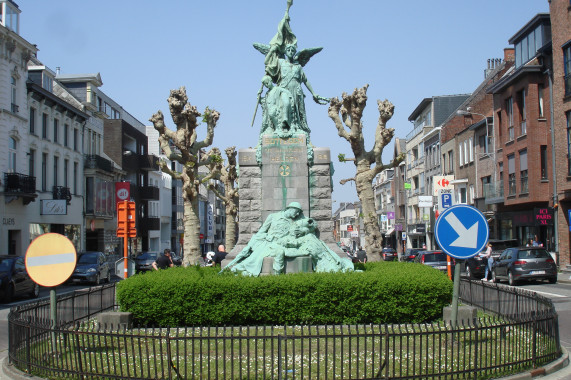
<point x="462" y="231"/>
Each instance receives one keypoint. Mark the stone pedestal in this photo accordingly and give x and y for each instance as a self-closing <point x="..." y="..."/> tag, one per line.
<point x="285" y="175"/>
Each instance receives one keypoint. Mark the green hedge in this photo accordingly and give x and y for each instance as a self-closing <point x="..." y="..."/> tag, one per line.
<point x="391" y="292"/>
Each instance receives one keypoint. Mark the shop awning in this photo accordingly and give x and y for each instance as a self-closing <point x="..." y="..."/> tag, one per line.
<point x="390" y="232"/>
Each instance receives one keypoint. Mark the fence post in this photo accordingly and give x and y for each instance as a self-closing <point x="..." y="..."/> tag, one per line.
<point x="280" y="338"/>
<point x="28" y="345"/>
<point x="534" y="340"/>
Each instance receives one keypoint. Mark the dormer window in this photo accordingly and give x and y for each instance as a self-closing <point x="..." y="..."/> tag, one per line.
<point x="47" y="82"/>
<point x="10" y="15"/>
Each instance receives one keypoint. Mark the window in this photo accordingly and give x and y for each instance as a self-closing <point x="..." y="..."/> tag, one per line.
<point x="44" y="171"/>
<point x="32" y="120"/>
<point x="56" y="130"/>
<point x="32" y="163"/>
<point x="75" y="166"/>
<point x="460" y="155"/>
<point x="472" y="194"/>
<point x="466" y="152"/>
<point x="540" y="100"/>
<point x="47" y="82"/>
<point x="65" y="173"/>
<point x="567" y="67"/>
<point x="12" y="149"/>
<point x="471" y="146"/>
<point x="45" y="125"/>
<point x="511" y="174"/>
<point x="66" y="135"/>
<point x="521" y="106"/>
<point x="509" y="113"/>
<point x="56" y="168"/>
<point x="451" y="161"/>
<point x="75" y="139"/>
<point x="543" y="153"/>
<point x="14" y="94"/>
<point x="523" y="171"/>
<point x="568" y="115"/>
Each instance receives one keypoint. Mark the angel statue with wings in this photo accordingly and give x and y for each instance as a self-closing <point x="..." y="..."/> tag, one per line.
<point x="283" y="105"/>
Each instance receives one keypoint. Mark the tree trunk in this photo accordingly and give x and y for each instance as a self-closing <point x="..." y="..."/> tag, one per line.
<point x="230" y="229"/>
<point x="192" y="253"/>
<point x="373" y="236"/>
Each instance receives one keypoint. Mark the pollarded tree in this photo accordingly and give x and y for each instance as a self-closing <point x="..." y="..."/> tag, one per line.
<point x="228" y="175"/>
<point x="184" y="147"/>
<point x="347" y="114"/>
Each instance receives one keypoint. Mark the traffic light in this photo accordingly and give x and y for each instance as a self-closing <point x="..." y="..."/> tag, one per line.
<point x="126" y="217"/>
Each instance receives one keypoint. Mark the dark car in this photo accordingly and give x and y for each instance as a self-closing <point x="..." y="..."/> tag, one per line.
<point x="436" y="259"/>
<point x="92" y="266"/>
<point x="524" y="263"/>
<point x="144" y="261"/>
<point x="389" y="254"/>
<point x="410" y="254"/>
<point x="475" y="267"/>
<point x="14" y="279"/>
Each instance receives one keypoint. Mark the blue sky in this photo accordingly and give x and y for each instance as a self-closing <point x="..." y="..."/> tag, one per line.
<point x="405" y="50"/>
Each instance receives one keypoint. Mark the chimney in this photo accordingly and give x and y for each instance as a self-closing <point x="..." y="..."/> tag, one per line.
<point x="58" y="70"/>
<point x="493" y="64"/>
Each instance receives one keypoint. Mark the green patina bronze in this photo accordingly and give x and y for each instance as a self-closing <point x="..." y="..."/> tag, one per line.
<point x="287" y="234"/>
<point x="283" y="105"/>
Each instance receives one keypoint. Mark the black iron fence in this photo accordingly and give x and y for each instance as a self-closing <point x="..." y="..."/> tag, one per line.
<point x="486" y="348"/>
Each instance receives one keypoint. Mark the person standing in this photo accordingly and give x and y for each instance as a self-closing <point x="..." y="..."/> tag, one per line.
<point x="488" y="256"/>
<point x="163" y="262"/>
<point x="220" y="255"/>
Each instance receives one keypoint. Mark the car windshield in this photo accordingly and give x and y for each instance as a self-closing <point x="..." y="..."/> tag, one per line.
<point x="533" y="254"/>
<point x="6" y="264"/>
<point x="431" y="257"/>
<point x="148" y="256"/>
<point x="87" y="258"/>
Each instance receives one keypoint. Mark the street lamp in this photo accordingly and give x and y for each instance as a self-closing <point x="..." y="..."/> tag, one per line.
<point x="469" y="112"/>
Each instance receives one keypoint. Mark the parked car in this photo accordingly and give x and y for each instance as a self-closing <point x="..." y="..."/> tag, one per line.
<point x="389" y="254"/>
<point x="144" y="261"/>
<point x="92" y="266"/>
<point x="436" y="259"/>
<point x="524" y="263"/>
<point x="14" y="279"/>
<point x="474" y="267"/>
<point x="410" y="254"/>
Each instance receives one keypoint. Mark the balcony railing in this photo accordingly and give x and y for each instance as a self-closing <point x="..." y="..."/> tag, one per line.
<point x="150" y="193"/>
<point x="20" y="185"/>
<point x="94" y="161"/>
<point x="15" y="108"/>
<point x="61" y="192"/>
<point x="150" y="224"/>
<point x="134" y="162"/>
<point x="494" y="192"/>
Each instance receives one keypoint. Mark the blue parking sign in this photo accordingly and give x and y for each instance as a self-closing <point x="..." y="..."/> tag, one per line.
<point x="462" y="231"/>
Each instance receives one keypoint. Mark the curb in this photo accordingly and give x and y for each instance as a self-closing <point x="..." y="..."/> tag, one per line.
<point x="10" y="372"/>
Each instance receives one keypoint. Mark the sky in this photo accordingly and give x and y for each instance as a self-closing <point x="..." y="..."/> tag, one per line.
<point x="405" y="50"/>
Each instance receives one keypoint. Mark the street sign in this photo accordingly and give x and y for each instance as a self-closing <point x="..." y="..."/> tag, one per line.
<point x="126" y="217"/>
<point x="50" y="259"/>
<point x="445" y="199"/>
<point x="462" y="231"/>
<point x="404" y="236"/>
<point x="425" y="201"/>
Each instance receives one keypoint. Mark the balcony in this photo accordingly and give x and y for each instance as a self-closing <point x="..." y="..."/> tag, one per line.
<point x="14" y="108"/>
<point x="20" y="185"/>
<point x="61" y="192"/>
<point x="149" y="193"/>
<point x="134" y="162"/>
<point x="494" y="192"/>
<point x="97" y="162"/>
<point x="149" y="224"/>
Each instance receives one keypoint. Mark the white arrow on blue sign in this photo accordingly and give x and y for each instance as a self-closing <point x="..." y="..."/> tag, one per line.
<point x="462" y="231"/>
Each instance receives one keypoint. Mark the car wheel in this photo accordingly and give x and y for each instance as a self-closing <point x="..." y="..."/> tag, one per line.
<point x="511" y="279"/>
<point x="494" y="278"/>
<point x="553" y="280"/>
<point x="35" y="291"/>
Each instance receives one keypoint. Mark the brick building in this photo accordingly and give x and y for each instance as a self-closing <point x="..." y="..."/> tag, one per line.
<point x="523" y="138"/>
<point x="560" y="12"/>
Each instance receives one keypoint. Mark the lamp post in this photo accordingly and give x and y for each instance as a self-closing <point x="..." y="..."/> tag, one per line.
<point x="469" y="112"/>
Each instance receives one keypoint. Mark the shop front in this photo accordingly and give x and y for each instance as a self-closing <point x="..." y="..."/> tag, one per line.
<point x="533" y="226"/>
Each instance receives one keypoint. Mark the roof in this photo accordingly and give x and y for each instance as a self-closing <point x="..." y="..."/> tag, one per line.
<point x="93" y="78"/>
<point x="540" y="18"/>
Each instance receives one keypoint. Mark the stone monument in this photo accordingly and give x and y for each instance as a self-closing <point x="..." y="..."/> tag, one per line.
<point x="284" y="167"/>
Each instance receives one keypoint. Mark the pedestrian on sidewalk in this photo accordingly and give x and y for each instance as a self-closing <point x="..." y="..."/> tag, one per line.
<point x="488" y="256"/>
